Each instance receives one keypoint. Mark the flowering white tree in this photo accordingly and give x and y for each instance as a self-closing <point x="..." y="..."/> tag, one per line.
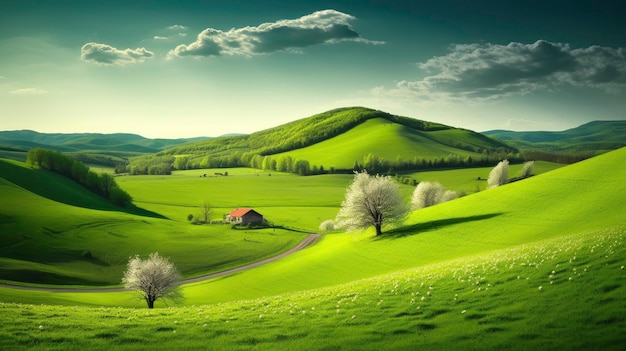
<point x="428" y="194"/>
<point x="327" y="225"/>
<point x="371" y="201"/>
<point x="498" y="175"/>
<point x="153" y="278"/>
<point x="527" y="169"/>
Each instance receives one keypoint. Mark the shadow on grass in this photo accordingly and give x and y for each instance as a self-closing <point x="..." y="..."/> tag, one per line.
<point x="432" y="225"/>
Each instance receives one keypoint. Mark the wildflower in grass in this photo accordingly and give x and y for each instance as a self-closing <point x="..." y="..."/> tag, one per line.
<point x="353" y="316"/>
<point x="41" y="327"/>
<point x="423" y="298"/>
<point x="463" y="312"/>
<point x="540" y="287"/>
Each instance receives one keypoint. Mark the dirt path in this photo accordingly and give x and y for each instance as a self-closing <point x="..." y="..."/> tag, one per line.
<point x="308" y="241"/>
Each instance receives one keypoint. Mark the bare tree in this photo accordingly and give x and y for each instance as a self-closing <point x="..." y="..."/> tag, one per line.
<point x="498" y="175"/>
<point x="154" y="278"/>
<point x="371" y="201"/>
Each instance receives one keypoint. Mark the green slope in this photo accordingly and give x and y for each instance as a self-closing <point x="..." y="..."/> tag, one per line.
<point x="52" y="231"/>
<point x="589" y="195"/>
<point x="390" y="141"/>
<point x="567" y="293"/>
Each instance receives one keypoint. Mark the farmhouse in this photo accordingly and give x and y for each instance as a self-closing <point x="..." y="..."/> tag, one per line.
<point x="244" y="216"/>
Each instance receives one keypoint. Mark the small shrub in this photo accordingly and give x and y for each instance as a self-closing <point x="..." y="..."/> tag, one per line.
<point x="327" y="225"/>
<point x="498" y="175"/>
<point x="527" y="169"/>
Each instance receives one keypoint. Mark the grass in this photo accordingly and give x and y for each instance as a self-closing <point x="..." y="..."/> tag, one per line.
<point x="67" y="236"/>
<point x="375" y="136"/>
<point x="559" y="293"/>
<point x="471" y="180"/>
<point x="536" y="264"/>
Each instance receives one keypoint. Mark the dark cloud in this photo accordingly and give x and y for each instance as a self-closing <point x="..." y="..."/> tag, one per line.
<point x="487" y="71"/>
<point x="108" y="55"/>
<point x="320" y="27"/>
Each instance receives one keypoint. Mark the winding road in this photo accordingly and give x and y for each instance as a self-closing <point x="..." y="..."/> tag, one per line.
<point x="308" y="241"/>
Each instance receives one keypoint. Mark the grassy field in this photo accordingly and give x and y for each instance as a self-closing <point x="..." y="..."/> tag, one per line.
<point x="561" y="293"/>
<point x="58" y="233"/>
<point x="536" y="264"/>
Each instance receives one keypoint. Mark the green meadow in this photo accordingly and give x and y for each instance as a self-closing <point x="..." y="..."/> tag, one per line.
<point x="560" y="293"/>
<point x="57" y="233"/>
<point x="535" y="264"/>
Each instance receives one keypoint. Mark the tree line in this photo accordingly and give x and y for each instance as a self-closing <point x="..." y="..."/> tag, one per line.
<point x="165" y="164"/>
<point x="101" y="184"/>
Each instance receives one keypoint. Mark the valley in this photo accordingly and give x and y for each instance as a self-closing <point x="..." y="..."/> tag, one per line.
<point x="473" y="272"/>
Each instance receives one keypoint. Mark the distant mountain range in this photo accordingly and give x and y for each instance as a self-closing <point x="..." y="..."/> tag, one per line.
<point x="24" y="140"/>
<point x="592" y="137"/>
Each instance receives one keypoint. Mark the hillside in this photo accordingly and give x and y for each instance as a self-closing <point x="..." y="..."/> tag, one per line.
<point x="53" y="231"/>
<point x="338" y="138"/>
<point x="593" y="137"/>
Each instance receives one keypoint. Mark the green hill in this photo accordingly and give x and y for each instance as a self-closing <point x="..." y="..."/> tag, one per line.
<point x="340" y="137"/>
<point x="391" y="141"/>
<point x="591" y="138"/>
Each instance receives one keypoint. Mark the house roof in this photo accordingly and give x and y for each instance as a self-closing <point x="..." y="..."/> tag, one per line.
<point x="239" y="212"/>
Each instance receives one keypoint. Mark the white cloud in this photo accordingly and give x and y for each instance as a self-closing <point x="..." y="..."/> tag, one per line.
<point x="177" y="27"/>
<point x="328" y="26"/>
<point x="108" y="55"/>
<point x="28" y="91"/>
<point x="478" y="72"/>
<point x="158" y="37"/>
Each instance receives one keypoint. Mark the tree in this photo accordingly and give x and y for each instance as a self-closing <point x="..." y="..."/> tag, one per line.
<point x="206" y="212"/>
<point x="527" y="170"/>
<point x="498" y="175"/>
<point x="327" y="225"/>
<point x="371" y="201"/>
<point x="154" y="278"/>
<point x="428" y="194"/>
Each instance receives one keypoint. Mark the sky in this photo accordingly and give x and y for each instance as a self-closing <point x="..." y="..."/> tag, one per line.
<point x="175" y="69"/>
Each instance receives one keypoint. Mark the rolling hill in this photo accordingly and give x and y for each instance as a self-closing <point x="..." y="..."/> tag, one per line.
<point x="338" y="138"/>
<point x="53" y="231"/>
<point x="593" y="137"/>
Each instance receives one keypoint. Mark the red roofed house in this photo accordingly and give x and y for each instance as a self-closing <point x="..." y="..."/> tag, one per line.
<point x="244" y="216"/>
